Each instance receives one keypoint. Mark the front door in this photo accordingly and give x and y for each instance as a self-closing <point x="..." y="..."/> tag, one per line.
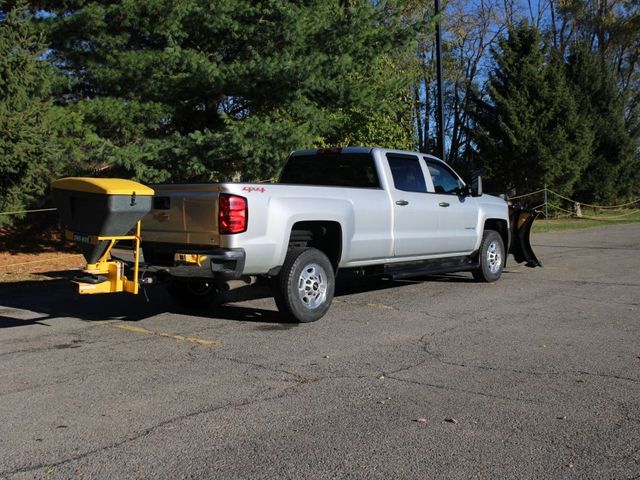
<point x="457" y="213"/>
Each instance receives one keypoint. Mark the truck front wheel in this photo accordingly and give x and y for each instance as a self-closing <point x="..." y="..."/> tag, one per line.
<point x="491" y="257"/>
<point x="194" y="294"/>
<point x="305" y="286"/>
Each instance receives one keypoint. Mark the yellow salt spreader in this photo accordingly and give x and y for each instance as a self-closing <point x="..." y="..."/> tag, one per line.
<point x="97" y="213"/>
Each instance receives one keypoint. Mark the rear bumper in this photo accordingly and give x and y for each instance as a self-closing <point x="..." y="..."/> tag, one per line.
<point x="216" y="263"/>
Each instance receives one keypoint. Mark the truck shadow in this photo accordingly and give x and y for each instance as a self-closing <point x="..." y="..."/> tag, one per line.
<point x="34" y="302"/>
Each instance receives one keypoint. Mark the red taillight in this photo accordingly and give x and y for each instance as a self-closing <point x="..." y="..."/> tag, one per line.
<point x="232" y="215"/>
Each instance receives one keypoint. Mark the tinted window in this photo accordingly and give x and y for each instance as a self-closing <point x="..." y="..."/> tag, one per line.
<point x="333" y="170"/>
<point x="406" y="172"/>
<point x="444" y="180"/>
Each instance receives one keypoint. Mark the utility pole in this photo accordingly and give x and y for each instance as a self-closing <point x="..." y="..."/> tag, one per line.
<point x="439" y="114"/>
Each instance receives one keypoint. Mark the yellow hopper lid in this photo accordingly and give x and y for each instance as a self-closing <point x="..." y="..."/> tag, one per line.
<point x="104" y="186"/>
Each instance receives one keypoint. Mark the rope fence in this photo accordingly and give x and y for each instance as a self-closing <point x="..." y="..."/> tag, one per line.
<point x="58" y="258"/>
<point x="527" y="194"/>
<point x="564" y="207"/>
<point x="42" y="260"/>
<point x="29" y="211"/>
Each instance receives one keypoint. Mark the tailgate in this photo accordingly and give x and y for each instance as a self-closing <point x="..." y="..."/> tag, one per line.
<point x="183" y="214"/>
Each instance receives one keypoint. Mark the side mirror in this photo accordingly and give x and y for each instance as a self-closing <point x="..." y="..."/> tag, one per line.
<point x="476" y="185"/>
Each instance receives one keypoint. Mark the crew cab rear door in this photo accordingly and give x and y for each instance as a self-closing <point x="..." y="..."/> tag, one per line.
<point x="415" y="211"/>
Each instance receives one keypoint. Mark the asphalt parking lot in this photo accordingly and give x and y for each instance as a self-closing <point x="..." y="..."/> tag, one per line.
<point x="536" y="376"/>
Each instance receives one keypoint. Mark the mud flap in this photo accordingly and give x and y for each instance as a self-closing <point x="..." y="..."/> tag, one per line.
<point x="520" y="221"/>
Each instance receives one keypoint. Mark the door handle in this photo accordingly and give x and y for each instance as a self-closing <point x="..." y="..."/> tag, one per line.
<point x="443" y="204"/>
<point x="402" y="203"/>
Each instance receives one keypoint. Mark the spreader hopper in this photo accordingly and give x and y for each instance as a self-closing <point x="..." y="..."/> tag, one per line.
<point x="97" y="213"/>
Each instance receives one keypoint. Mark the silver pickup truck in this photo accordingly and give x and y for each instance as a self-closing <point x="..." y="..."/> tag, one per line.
<point x="379" y="211"/>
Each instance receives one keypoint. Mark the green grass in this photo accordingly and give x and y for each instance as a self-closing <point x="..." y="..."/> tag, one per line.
<point x="604" y="219"/>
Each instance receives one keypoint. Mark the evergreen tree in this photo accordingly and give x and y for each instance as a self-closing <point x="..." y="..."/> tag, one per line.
<point x="613" y="170"/>
<point x="29" y="153"/>
<point x="529" y="132"/>
<point x="181" y="90"/>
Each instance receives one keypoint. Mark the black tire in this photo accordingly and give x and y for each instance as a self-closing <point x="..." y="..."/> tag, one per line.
<point x="305" y="286"/>
<point x="195" y="294"/>
<point x="491" y="256"/>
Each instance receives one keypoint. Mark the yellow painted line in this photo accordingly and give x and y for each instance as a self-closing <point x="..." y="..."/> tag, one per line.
<point x="380" y="305"/>
<point x="131" y="328"/>
<point x="372" y="305"/>
<point x="196" y="340"/>
<point x="180" y="338"/>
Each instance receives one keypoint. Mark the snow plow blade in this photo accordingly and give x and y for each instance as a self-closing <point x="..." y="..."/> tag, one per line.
<point x="521" y="220"/>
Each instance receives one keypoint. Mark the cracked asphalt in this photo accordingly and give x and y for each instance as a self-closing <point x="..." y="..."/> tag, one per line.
<point x="536" y="376"/>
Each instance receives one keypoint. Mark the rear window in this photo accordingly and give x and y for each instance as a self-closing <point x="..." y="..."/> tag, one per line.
<point x="332" y="170"/>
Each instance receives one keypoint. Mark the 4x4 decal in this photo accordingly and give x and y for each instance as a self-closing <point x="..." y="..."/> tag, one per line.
<point x="254" y="189"/>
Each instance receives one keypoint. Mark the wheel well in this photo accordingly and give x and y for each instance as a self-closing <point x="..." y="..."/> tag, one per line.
<point x="326" y="236"/>
<point x="499" y="226"/>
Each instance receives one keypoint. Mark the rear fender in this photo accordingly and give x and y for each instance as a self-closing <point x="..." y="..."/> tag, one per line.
<point x="520" y="221"/>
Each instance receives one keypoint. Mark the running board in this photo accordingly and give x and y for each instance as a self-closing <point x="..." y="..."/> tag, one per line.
<point x="400" y="271"/>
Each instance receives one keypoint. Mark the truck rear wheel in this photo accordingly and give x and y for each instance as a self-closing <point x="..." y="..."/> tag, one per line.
<point x="305" y="286"/>
<point x="491" y="256"/>
<point x="194" y="294"/>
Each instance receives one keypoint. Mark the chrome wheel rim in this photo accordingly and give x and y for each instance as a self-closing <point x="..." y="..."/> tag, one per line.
<point x="494" y="257"/>
<point x="312" y="286"/>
